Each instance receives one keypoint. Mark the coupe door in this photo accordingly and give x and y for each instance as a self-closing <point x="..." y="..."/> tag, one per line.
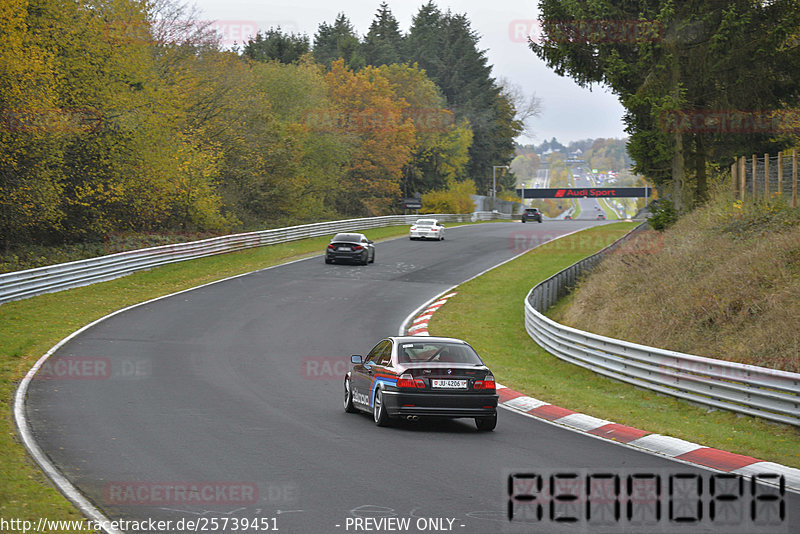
<point x="362" y="376"/>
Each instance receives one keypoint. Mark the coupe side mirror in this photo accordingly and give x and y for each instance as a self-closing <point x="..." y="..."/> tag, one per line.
<point x="356" y="359"/>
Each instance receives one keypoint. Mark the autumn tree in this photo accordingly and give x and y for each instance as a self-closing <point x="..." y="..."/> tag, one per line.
<point x="31" y="132"/>
<point x="441" y="146"/>
<point x="129" y="116"/>
<point x="307" y="167"/>
<point x="369" y="111"/>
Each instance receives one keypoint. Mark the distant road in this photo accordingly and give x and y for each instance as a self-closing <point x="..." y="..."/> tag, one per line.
<point x="542" y="179"/>
<point x="590" y="207"/>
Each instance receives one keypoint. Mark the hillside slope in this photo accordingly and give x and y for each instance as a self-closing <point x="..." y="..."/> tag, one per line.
<point x="724" y="282"/>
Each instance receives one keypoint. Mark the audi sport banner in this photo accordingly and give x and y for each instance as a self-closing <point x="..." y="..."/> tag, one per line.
<point x="585" y="192"/>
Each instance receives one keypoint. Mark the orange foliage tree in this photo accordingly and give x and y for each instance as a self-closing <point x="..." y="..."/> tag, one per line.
<point x="367" y="110"/>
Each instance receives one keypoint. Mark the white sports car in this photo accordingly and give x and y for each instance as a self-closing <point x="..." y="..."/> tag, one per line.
<point x="427" y="229"/>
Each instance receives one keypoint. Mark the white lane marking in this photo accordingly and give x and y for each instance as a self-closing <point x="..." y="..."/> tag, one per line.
<point x="20" y="418"/>
<point x="410" y="317"/>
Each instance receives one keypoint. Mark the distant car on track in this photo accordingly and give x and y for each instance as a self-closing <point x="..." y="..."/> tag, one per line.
<point x="411" y="377"/>
<point x="354" y="248"/>
<point x="601" y="216"/>
<point x="426" y="229"/>
<point x="567" y="217"/>
<point x="531" y="214"/>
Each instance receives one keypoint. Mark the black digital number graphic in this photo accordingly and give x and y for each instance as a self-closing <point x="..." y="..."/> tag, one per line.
<point x="634" y="501"/>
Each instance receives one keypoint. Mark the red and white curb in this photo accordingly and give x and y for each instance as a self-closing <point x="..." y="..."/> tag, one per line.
<point x="677" y="449"/>
<point x="419" y="326"/>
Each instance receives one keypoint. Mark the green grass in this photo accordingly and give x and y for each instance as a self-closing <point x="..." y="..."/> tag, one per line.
<point x="577" y="211"/>
<point x="488" y="312"/>
<point x="29" y="328"/>
<point x="611" y="213"/>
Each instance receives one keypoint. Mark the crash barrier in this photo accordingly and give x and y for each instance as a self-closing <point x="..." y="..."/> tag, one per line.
<point x="746" y="389"/>
<point x="31" y="282"/>
<point x="488" y="204"/>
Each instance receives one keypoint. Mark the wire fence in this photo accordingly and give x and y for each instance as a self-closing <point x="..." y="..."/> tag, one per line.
<point x="766" y="177"/>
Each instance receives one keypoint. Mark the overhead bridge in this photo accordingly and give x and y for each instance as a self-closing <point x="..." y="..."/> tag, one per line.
<point x="586" y="192"/>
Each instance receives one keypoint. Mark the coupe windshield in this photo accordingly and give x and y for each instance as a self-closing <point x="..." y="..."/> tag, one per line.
<point x="437" y="352"/>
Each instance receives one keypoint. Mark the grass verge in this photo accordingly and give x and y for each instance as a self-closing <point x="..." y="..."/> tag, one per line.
<point x="577" y="209"/>
<point x="488" y="312"/>
<point x="28" y="328"/>
<point x="611" y="213"/>
<point x="723" y="282"/>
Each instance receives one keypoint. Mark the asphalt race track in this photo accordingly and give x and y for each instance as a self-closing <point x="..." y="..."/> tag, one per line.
<point x="225" y="403"/>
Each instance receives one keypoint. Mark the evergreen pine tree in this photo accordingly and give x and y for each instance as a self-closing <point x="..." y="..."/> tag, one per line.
<point x="276" y="45"/>
<point x="332" y="42"/>
<point x="383" y="44"/>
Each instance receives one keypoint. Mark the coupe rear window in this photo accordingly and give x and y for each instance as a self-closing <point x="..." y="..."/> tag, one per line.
<point x="437" y="352"/>
<point x="426" y="222"/>
<point x="349" y="238"/>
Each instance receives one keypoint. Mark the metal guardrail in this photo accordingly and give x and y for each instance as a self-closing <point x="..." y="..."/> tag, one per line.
<point x="748" y="389"/>
<point x="31" y="282"/>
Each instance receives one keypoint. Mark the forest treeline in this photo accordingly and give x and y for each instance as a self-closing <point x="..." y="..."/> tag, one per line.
<point x="128" y="115"/>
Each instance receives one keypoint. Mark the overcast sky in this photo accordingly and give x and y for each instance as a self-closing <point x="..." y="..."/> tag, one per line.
<point x="569" y="113"/>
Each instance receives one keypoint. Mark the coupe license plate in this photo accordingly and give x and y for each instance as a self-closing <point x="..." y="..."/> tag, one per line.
<point x="344" y="249"/>
<point x="449" y="384"/>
